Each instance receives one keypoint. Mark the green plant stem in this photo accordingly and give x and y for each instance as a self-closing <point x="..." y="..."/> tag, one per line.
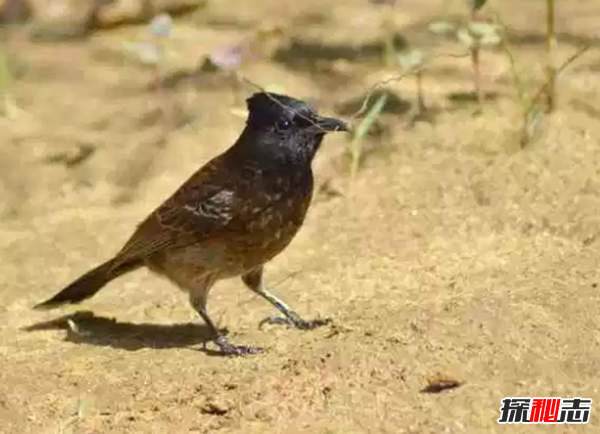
<point x="551" y="46"/>
<point x="420" y="98"/>
<point x="8" y="107"/>
<point x="529" y="113"/>
<point x="4" y="81"/>
<point x="476" y="61"/>
<point x="361" y="132"/>
<point x="544" y="88"/>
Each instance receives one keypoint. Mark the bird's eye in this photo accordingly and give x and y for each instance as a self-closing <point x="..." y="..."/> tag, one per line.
<point x="284" y="124"/>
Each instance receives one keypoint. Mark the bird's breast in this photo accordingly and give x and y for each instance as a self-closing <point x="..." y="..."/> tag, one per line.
<point x="272" y="227"/>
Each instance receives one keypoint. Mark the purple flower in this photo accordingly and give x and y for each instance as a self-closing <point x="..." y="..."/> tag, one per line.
<point x="161" y="26"/>
<point x="227" y="58"/>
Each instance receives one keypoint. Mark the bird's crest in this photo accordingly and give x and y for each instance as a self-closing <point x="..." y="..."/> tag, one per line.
<point x="270" y="105"/>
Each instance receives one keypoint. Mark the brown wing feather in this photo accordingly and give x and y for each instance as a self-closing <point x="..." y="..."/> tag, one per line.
<point x="211" y="204"/>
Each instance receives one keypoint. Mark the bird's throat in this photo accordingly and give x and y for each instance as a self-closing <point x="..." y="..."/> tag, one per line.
<point x="277" y="154"/>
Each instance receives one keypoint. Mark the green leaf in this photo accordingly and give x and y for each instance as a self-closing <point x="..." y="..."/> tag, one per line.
<point x="365" y="125"/>
<point x="465" y="37"/>
<point x="6" y="102"/>
<point x="491" y="40"/>
<point x="363" y="129"/>
<point x="533" y="122"/>
<point x="4" y="71"/>
<point x="411" y="59"/>
<point x="441" y="28"/>
<point x="480" y="30"/>
<point x="479" y="34"/>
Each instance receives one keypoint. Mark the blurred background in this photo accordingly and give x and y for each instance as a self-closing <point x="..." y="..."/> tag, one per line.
<point x="453" y="235"/>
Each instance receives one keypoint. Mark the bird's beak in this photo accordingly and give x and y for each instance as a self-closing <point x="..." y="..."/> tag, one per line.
<point x="328" y="125"/>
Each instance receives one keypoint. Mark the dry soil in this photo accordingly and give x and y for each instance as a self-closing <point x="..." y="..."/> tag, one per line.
<point x="453" y="253"/>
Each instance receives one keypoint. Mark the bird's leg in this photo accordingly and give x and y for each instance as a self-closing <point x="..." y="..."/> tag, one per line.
<point x="198" y="301"/>
<point x="254" y="280"/>
<point x="226" y="347"/>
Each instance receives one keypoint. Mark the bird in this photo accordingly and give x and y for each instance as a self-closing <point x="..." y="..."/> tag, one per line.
<point x="230" y="218"/>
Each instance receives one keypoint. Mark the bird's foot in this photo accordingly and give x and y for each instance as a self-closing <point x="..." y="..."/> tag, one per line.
<point x="228" y="349"/>
<point x="296" y="321"/>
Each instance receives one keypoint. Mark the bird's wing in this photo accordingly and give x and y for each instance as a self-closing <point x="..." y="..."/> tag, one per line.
<point x="208" y="206"/>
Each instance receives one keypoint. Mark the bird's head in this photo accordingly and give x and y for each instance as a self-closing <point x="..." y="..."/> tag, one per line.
<point x="285" y="126"/>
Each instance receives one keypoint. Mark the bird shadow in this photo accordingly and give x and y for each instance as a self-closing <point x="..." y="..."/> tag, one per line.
<point x="87" y="328"/>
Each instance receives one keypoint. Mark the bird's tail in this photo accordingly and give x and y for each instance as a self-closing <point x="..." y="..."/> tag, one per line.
<point x="88" y="285"/>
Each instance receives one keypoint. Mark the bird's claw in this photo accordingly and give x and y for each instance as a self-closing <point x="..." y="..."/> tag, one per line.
<point x="228" y="349"/>
<point x="295" y="321"/>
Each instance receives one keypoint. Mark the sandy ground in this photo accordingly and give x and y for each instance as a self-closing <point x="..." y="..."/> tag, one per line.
<point x="454" y="253"/>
